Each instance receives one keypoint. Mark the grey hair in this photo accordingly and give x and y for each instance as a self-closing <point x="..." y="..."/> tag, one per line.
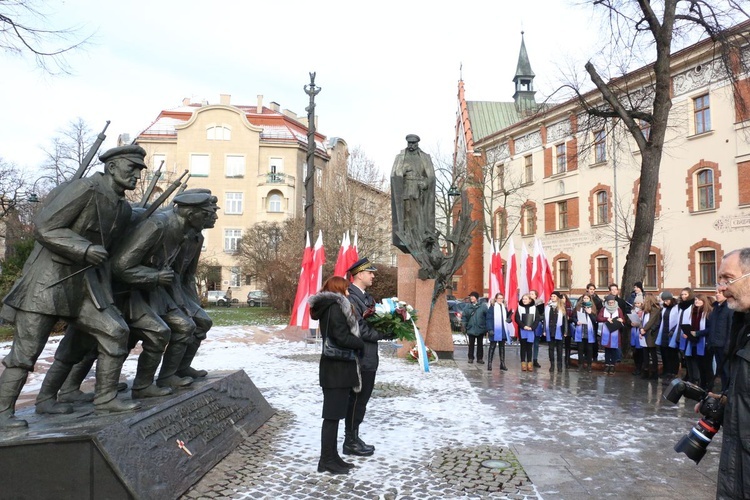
<point x="744" y="254"/>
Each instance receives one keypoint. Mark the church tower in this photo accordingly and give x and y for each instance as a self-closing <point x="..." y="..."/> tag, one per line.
<point x="524" y="81"/>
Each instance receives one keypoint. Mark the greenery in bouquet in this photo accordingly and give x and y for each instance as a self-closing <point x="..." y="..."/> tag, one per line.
<point x="393" y="317"/>
<point x="414" y="355"/>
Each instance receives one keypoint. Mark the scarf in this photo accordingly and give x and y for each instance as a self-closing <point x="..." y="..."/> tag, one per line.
<point x="612" y="309"/>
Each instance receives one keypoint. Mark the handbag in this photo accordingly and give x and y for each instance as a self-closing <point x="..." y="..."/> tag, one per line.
<point x="333" y="351"/>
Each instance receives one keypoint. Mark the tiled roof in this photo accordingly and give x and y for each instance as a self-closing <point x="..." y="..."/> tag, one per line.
<point x="487" y="117"/>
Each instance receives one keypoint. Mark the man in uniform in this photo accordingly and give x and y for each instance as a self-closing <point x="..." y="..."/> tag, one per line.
<point x="412" y="195"/>
<point x="67" y="276"/>
<point x="362" y="273"/>
<point x="142" y="265"/>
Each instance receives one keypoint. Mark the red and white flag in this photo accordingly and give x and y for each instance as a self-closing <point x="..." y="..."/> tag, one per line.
<point x="537" y="272"/>
<point x="525" y="266"/>
<point x="549" y="276"/>
<point x="301" y="310"/>
<point x="497" y="284"/>
<point x="342" y="259"/>
<point x="511" y="278"/>
<point x="316" y="272"/>
<point x="352" y="254"/>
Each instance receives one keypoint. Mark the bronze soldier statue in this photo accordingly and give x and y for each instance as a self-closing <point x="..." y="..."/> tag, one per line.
<point x="412" y="196"/>
<point x="142" y="266"/>
<point x="67" y="276"/>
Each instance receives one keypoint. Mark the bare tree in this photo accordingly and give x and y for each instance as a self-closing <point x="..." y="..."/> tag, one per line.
<point x="13" y="187"/>
<point x="207" y="272"/>
<point x="24" y="30"/>
<point x="447" y="182"/>
<point x="66" y="153"/>
<point x="643" y="27"/>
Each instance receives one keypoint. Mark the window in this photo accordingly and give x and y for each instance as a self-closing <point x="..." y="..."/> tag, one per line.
<point x="233" y="203"/>
<point x="528" y="169"/>
<point x="600" y="146"/>
<point x="235" y="278"/>
<point x="563" y="271"/>
<point x="705" y="189"/>
<point x="562" y="161"/>
<point x="219" y="133"/>
<point x="527" y="223"/>
<point x="602" y="207"/>
<point x="702" y="113"/>
<point x="274" y="203"/>
<point x="200" y="165"/>
<point x="707" y="271"/>
<point x="500" y="226"/>
<point x="500" y="175"/>
<point x="602" y="272"/>
<point x="650" y="281"/>
<point x="318" y="177"/>
<point x="562" y="215"/>
<point x="232" y="239"/>
<point x="276" y="165"/>
<point x="646" y="129"/>
<point x="156" y="160"/>
<point x="234" y="166"/>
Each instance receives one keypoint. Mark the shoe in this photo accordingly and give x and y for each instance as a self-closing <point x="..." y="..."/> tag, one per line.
<point x="332" y="467"/>
<point x="76" y="396"/>
<point x="117" y="406"/>
<point x="503" y="367"/>
<point x="354" y="448"/>
<point x="121" y="387"/>
<point x="192" y="373"/>
<point x="471" y="361"/>
<point x="636" y="373"/>
<point x="536" y="364"/>
<point x="8" y="421"/>
<point x="52" y="407"/>
<point x="480" y="361"/>
<point x="151" y="391"/>
<point x="174" y="381"/>
<point x="362" y="444"/>
<point x="551" y="368"/>
<point x="489" y="367"/>
<point x="523" y="366"/>
<point x="343" y="463"/>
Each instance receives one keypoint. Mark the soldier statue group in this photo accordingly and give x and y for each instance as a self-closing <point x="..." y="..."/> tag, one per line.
<point x="116" y="275"/>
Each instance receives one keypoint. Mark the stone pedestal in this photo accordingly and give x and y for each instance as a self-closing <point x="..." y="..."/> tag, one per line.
<point x="433" y="325"/>
<point x="136" y="454"/>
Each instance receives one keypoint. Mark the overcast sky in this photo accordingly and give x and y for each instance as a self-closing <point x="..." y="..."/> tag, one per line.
<point x="386" y="69"/>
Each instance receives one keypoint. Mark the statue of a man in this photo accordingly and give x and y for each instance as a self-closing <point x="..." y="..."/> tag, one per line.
<point x="412" y="195"/>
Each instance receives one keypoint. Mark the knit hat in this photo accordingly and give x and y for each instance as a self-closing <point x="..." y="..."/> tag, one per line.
<point x="610" y="297"/>
<point x="666" y="295"/>
<point x="475" y="295"/>
<point x="638" y="298"/>
<point x="638" y="284"/>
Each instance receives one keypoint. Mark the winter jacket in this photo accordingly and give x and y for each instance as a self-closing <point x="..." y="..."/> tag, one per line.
<point x="610" y="337"/>
<point x="337" y="321"/>
<point x="501" y="332"/>
<point x="520" y="314"/>
<point x="475" y="319"/>
<point x="363" y="302"/>
<point x="556" y="327"/>
<point x="734" y="463"/>
<point x="721" y="324"/>
<point x="652" y="321"/>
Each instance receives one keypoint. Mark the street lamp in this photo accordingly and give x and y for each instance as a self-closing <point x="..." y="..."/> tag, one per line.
<point x="453" y="191"/>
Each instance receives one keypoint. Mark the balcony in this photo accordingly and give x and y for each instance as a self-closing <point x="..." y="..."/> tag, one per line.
<point x="276" y="179"/>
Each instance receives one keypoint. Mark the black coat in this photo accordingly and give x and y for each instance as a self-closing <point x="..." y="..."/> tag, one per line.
<point x="363" y="301"/>
<point x="734" y="463"/>
<point x="337" y="321"/>
<point x="721" y="325"/>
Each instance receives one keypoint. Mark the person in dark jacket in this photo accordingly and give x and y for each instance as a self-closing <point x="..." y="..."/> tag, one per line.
<point x="649" y="330"/>
<point x="556" y="326"/>
<point x="527" y="319"/>
<point x="474" y="320"/>
<point x="499" y="329"/>
<point x="720" y="322"/>
<point x="670" y="355"/>
<point x="363" y="274"/>
<point x="584" y="321"/>
<point x="337" y="376"/>
<point x="733" y="480"/>
<point x="539" y="328"/>
<point x="611" y="322"/>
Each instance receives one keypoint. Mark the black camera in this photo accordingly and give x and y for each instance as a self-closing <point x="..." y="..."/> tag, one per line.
<point x="694" y="443"/>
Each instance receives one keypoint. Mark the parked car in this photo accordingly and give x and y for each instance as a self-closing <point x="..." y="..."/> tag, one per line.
<point x="217" y="298"/>
<point x="455" y="310"/>
<point x="257" y="298"/>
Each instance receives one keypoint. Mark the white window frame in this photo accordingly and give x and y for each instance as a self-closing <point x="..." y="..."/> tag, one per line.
<point x="234" y="202"/>
<point x="275" y="199"/>
<point x="218" y="133"/>
<point x="200" y="164"/>
<point x="232" y="238"/>
<point x="234" y="165"/>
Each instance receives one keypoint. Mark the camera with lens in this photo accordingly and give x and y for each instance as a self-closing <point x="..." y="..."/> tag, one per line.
<point x="694" y="443"/>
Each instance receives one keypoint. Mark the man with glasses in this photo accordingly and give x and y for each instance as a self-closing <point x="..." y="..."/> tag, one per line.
<point x="734" y="465"/>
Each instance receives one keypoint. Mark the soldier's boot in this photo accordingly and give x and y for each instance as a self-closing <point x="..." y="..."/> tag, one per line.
<point x="170" y="363"/>
<point x="46" y="400"/>
<point x="143" y="384"/>
<point x="70" y="392"/>
<point x="501" y="355"/>
<point x="108" y="370"/>
<point x="185" y="370"/>
<point x="11" y="383"/>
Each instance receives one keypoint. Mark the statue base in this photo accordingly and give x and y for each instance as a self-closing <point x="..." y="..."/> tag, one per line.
<point x="134" y="454"/>
<point x="434" y="325"/>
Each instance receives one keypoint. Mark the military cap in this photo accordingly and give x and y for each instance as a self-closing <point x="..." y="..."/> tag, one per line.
<point x="193" y="200"/>
<point x="412" y="138"/>
<point x="211" y="205"/>
<point x="361" y="265"/>
<point x="133" y="152"/>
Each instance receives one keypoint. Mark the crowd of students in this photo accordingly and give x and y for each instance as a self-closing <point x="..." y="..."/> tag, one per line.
<point x="689" y="331"/>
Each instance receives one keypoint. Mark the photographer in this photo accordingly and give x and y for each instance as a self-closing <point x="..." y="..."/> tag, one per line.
<point x="734" y="465"/>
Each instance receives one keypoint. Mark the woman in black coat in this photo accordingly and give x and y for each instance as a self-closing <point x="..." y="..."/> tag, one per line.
<point x="337" y="375"/>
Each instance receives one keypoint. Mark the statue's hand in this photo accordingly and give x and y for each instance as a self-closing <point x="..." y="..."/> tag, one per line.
<point x="96" y="254"/>
<point x="166" y="277"/>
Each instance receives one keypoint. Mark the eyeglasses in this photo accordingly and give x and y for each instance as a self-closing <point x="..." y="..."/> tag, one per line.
<point x="726" y="283"/>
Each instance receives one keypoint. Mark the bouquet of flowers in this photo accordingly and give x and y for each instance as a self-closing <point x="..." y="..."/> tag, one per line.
<point x="393" y="316"/>
<point x="414" y="354"/>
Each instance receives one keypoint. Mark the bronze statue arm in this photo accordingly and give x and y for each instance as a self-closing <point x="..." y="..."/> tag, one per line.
<point x="127" y="264"/>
